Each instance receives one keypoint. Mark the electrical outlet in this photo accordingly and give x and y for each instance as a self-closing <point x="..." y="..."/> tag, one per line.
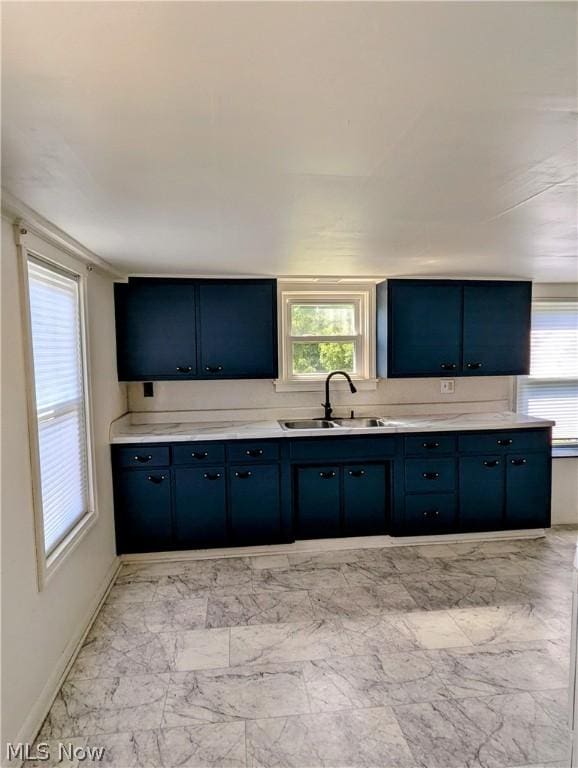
<point x="447" y="386"/>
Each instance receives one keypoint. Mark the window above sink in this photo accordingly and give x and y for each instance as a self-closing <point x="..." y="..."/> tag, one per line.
<point x="325" y="327"/>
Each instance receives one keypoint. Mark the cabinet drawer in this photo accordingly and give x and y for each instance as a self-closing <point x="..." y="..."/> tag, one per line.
<point x="343" y="448"/>
<point x="429" y="445"/>
<point x="141" y="456"/>
<point x="516" y="440"/>
<point x="433" y="513"/>
<point x="429" y="475"/>
<point x="257" y="451"/>
<point x="198" y="453"/>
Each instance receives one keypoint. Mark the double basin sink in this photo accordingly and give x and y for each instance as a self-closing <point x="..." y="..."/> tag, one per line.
<point x="355" y="423"/>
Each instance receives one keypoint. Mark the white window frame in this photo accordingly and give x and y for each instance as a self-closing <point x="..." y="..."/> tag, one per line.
<point x="32" y="247"/>
<point x="560" y="448"/>
<point x="362" y="296"/>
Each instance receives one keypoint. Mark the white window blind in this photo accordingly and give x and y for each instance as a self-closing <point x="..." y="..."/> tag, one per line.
<point x="56" y="330"/>
<point x="551" y="389"/>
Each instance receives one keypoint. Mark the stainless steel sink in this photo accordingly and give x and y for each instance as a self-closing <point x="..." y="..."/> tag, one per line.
<point x="360" y="423"/>
<point x="355" y="423"/>
<point x="308" y="424"/>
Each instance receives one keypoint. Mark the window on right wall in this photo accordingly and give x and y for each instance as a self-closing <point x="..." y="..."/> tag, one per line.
<point x="551" y="389"/>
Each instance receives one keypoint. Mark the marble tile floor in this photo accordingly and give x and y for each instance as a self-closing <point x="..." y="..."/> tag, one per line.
<point x="441" y="656"/>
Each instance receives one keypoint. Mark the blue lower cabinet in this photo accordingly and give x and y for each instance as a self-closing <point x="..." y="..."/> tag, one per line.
<point x="200" y="507"/>
<point x="254" y="504"/>
<point x="429" y="475"/>
<point x="429" y="513"/>
<point x="143" y="510"/>
<point x="482" y="485"/>
<point x="527" y="490"/>
<point x="317" y="502"/>
<point x="365" y="500"/>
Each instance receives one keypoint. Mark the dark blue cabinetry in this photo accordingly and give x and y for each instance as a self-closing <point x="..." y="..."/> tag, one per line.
<point x="197" y="495"/>
<point x="528" y="487"/>
<point x="342" y="486"/>
<point x="200" y="507"/>
<point x="318" y="502"/>
<point x="366" y="503"/>
<point x="482" y="484"/>
<point x="492" y="481"/>
<point x="496" y="337"/>
<point x="254" y="504"/>
<point x="155" y="336"/>
<point x="424" y="328"/>
<point x="453" y="328"/>
<point x="172" y="329"/>
<point x="143" y="510"/>
<point x="238" y="329"/>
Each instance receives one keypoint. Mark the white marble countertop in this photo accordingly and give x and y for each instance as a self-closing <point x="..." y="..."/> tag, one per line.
<point x="122" y="431"/>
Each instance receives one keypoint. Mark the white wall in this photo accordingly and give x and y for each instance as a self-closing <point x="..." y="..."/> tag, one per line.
<point x="243" y="399"/>
<point x="39" y="628"/>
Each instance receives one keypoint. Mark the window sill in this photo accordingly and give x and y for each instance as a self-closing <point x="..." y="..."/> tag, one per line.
<point x="49" y="565"/>
<point x="564" y="451"/>
<point x="362" y="385"/>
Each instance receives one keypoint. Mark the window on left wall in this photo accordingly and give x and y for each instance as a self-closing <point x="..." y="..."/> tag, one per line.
<point x="59" y="407"/>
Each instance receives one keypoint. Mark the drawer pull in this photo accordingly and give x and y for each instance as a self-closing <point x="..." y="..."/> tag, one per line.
<point x="429" y="446"/>
<point x="212" y="476"/>
<point x="326" y="475"/>
<point x="518" y="462"/>
<point x="356" y="472"/>
<point x="199" y="454"/>
<point x="142" y="459"/>
<point x="430" y="475"/>
<point x="474" y="366"/>
<point x="504" y="442"/>
<point x="184" y="368"/>
<point x="243" y="475"/>
<point x="254" y="452"/>
<point x="213" y="368"/>
<point x="431" y="513"/>
<point x="492" y="463"/>
<point x="156" y="479"/>
<point x="448" y="366"/>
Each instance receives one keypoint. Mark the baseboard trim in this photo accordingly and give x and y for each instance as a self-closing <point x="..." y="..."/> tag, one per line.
<point x="31" y="726"/>
<point x="327" y="545"/>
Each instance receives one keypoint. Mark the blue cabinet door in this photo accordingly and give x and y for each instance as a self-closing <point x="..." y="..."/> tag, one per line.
<point x="528" y="490"/>
<point x="155" y="327"/>
<point x="496" y="328"/>
<point x="482" y="492"/>
<point x="143" y="510"/>
<point x="424" y="333"/>
<point x="238" y="329"/>
<point x="365" y="500"/>
<point x="318" y="501"/>
<point x="254" y="504"/>
<point x="200" y="507"/>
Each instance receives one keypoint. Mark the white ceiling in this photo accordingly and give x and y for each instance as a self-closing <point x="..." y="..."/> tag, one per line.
<point x="299" y="138"/>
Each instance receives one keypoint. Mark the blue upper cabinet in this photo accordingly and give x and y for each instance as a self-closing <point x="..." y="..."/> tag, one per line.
<point x="155" y="330"/>
<point x="453" y="328"/>
<point x="496" y="328"/>
<point x="174" y="329"/>
<point x="425" y="321"/>
<point x="238" y="329"/>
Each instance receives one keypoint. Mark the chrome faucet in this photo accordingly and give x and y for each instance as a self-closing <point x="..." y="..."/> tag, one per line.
<point x="327" y="405"/>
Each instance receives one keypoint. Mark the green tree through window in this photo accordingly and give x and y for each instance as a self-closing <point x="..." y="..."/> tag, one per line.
<point x="322" y="320"/>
